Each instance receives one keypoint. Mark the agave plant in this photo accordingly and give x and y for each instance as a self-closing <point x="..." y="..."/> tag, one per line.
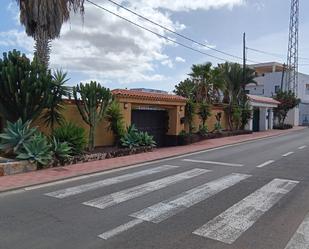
<point x="132" y="138"/>
<point x="15" y="135"/>
<point x="146" y="139"/>
<point x="37" y="150"/>
<point x="61" y="150"/>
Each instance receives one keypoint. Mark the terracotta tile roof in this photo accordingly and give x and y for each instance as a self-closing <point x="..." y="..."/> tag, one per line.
<point x="146" y="95"/>
<point x="262" y="99"/>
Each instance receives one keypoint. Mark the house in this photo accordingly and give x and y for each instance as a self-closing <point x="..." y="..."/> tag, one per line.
<point x="269" y="78"/>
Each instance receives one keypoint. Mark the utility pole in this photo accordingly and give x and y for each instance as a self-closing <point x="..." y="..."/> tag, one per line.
<point x="244" y="61"/>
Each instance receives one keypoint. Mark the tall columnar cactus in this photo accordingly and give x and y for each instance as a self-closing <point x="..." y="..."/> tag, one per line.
<point x="92" y="101"/>
<point x="24" y="87"/>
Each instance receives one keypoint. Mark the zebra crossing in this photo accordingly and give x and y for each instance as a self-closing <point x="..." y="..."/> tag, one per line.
<point x="226" y="228"/>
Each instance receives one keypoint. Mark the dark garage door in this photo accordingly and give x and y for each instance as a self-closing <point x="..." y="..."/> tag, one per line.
<point x="155" y="122"/>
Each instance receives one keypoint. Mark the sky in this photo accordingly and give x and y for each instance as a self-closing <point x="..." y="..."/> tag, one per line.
<point x="119" y="55"/>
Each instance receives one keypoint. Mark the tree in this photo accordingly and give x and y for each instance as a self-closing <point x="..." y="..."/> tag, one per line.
<point x="186" y="89"/>
<point x="24" y="87"/>
<point x="92" y="101"/>
<point x="204" y="112"/>
<point x="234" y="88"/>
<point x="43" y="20"/>
<point x="58" y="90"/>
<point x="288" y="101"/>
<point x="189" y="114"/>
<point x="202" y="78"/>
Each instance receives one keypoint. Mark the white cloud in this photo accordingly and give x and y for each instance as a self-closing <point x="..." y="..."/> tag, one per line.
<point x="180" y="59"/>
<point x="109" y="49"/>
<point x="186" y="5"/>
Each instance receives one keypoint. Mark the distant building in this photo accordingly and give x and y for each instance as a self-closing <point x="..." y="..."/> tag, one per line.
<point x="148" y="90"/>
<point x="269" y="78"/>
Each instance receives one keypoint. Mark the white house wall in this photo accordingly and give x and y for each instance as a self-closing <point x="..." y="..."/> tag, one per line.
<point x="267" y="85"/>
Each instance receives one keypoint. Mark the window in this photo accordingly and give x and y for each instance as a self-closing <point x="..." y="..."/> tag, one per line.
<point x="247" y="91"/>
<point x="277" y="88"/>
<point x="307" y="89"/>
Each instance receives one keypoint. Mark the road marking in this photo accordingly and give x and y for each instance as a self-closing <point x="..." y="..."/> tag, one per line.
<point x="107" y="182"/>
<point x="168" y="208"/>
<point x="111" y="233"/>
<point x="130" y="193"/>
<point x="212" y="162"/>
<point x="287" y="154"/>
<point x="232" y="223"/>
<point x="300" y="239"/>
<point x="265" y="164"/>
<point x="302" y="147"/>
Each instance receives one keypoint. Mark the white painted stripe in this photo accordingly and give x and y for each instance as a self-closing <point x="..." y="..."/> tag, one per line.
<point x="107" y="182"/>
<point x="300" y="239"/>
<point x="287" y="154"/>
<point x="166" y="209"/>
<point x="302" y="147"/>
<point x="130" y="193"/>
<point x="265" y="164"/>
<point x="232" y="223"/>
<point x="212" y="162"/>
<point x="111" y="233"/>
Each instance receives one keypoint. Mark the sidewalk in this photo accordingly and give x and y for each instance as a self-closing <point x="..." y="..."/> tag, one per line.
<point x="54" y="174"/>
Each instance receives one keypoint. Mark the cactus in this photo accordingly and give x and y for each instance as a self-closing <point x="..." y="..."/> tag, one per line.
<point x="92" y="101"/>
<point x="24" y="87"/>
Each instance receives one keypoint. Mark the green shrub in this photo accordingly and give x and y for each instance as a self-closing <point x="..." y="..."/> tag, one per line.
<point x="73" y="135"/>
<point x="37" y="150"/>
<point x="115" y="118"/>
<point x="15" y="135"/>
<point x="61" y="150"/>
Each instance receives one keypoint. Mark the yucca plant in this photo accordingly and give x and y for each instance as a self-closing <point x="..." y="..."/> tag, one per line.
<point x="114" y="117"/>
<point x="15" y="135"/>
<point x="37" y="150"/>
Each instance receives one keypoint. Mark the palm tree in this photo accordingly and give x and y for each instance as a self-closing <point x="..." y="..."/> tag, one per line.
<point x="234" y="86"/>
<point x="202" y="77"/>
<point x="43" y="20"/>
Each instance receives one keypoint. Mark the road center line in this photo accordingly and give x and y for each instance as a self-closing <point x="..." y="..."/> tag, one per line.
<point x="287" y="154"/>
<point x="265" y="164"/>
<point x="232" y="223"/>
<point x="302" y="147"/>
<point x="140" y="190"/>
<point x="60" y="194"/>
<point x="212" y="162"/>
<point x="301" y="237"/>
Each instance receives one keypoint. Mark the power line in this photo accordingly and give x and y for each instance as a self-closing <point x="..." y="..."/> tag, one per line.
<point x="155" y="33"/>
<point x="174" y="32"/>
<point x="273" y="54"/>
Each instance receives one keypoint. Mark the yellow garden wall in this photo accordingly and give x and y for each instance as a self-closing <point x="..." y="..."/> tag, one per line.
<point x="210" y="121"/>
<point x="103" y="137"/>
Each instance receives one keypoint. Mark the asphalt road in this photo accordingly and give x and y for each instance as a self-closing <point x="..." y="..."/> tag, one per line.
<point x="253" y="195"/>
